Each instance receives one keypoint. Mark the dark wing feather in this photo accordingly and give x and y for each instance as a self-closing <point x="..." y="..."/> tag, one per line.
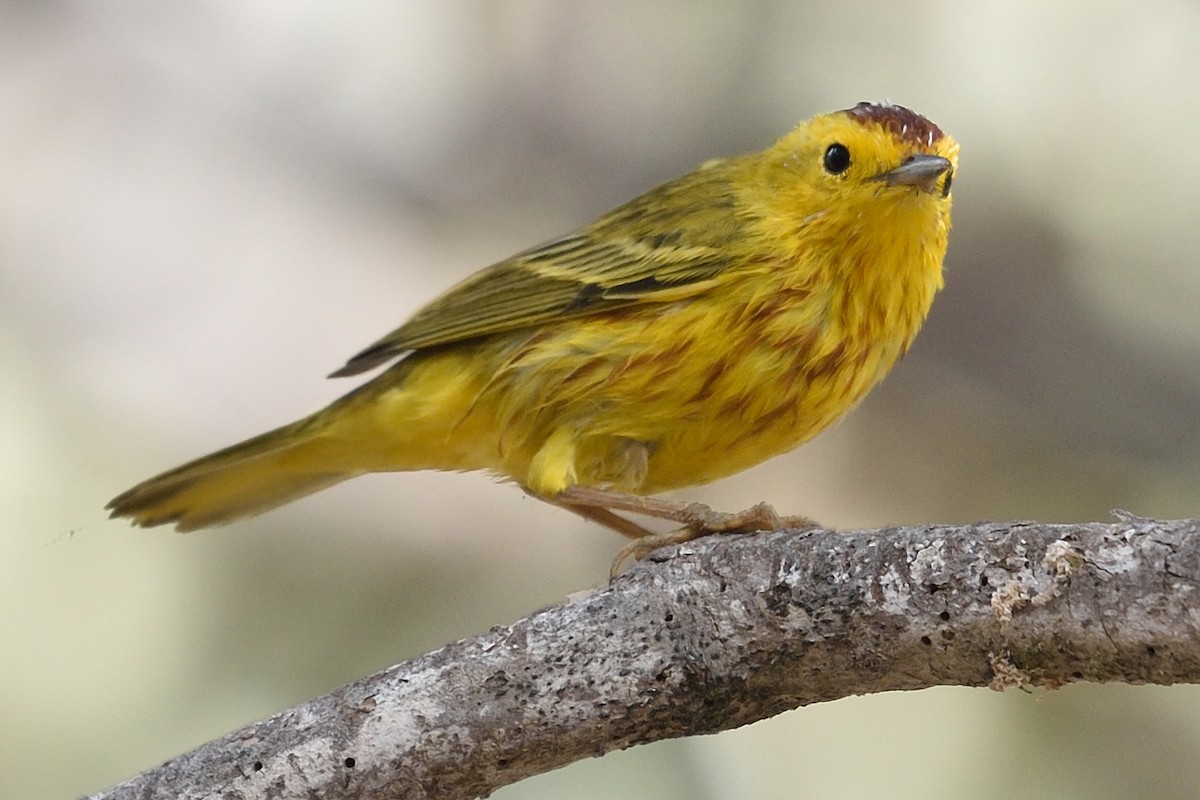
<point x="667" y="244"/>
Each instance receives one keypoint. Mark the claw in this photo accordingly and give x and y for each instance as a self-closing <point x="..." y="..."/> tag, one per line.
<point x="640" y="548"/>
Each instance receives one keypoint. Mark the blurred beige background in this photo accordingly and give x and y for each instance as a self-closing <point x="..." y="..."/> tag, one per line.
<point x="204" y="208"/>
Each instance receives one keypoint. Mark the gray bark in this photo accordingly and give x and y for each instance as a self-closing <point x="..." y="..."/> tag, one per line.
<point x="724" y="631"/>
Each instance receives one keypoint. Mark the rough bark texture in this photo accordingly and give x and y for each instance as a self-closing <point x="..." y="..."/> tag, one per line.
<point x="724" y="631"/>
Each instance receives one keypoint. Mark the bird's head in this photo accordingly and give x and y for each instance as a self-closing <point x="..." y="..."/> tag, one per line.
<point x="874" y="170"/>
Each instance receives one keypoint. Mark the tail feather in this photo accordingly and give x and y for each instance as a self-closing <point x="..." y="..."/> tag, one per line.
<point x="240" y="481"/>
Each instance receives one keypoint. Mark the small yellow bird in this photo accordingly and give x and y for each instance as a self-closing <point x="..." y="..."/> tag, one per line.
<point x="713" y="322"/>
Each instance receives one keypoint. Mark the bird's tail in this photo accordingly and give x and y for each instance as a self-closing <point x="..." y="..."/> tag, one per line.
<point x="240" y="481"/>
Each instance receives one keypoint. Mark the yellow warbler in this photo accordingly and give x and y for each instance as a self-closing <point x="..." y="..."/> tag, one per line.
<point x="713" y="322"/>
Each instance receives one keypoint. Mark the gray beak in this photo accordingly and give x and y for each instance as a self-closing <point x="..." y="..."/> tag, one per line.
<point x="921" y="171"/>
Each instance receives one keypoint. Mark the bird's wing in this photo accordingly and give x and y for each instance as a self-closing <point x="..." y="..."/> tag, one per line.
<point x="666" y="245"/>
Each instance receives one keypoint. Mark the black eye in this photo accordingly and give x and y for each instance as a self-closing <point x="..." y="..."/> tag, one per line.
<point x="837" y="159"/>
<point x="946" y="185"/>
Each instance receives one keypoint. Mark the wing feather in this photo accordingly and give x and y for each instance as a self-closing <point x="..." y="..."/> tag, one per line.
<point x="666" y="245"/>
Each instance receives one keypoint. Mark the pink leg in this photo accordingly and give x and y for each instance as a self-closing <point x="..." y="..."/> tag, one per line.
<point x="697" y="519"/>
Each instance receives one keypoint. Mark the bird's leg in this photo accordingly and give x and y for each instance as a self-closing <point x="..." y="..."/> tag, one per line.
<point x="609" y="519"/>
<point x="644" y="540"/>
<point x="696" y="516"/>
<point x="697" y="519"/>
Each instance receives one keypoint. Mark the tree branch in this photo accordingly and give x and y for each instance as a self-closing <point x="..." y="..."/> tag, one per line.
<point x="725" y="631"/>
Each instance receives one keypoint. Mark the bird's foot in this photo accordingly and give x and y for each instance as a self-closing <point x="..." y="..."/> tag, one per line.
<point x="696" y="519"/>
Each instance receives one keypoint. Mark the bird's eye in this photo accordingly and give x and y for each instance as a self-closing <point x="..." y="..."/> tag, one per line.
<point x="837" y="159"/>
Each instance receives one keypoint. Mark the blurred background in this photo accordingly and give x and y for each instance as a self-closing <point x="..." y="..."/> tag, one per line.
<point x="206" y="207"/>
